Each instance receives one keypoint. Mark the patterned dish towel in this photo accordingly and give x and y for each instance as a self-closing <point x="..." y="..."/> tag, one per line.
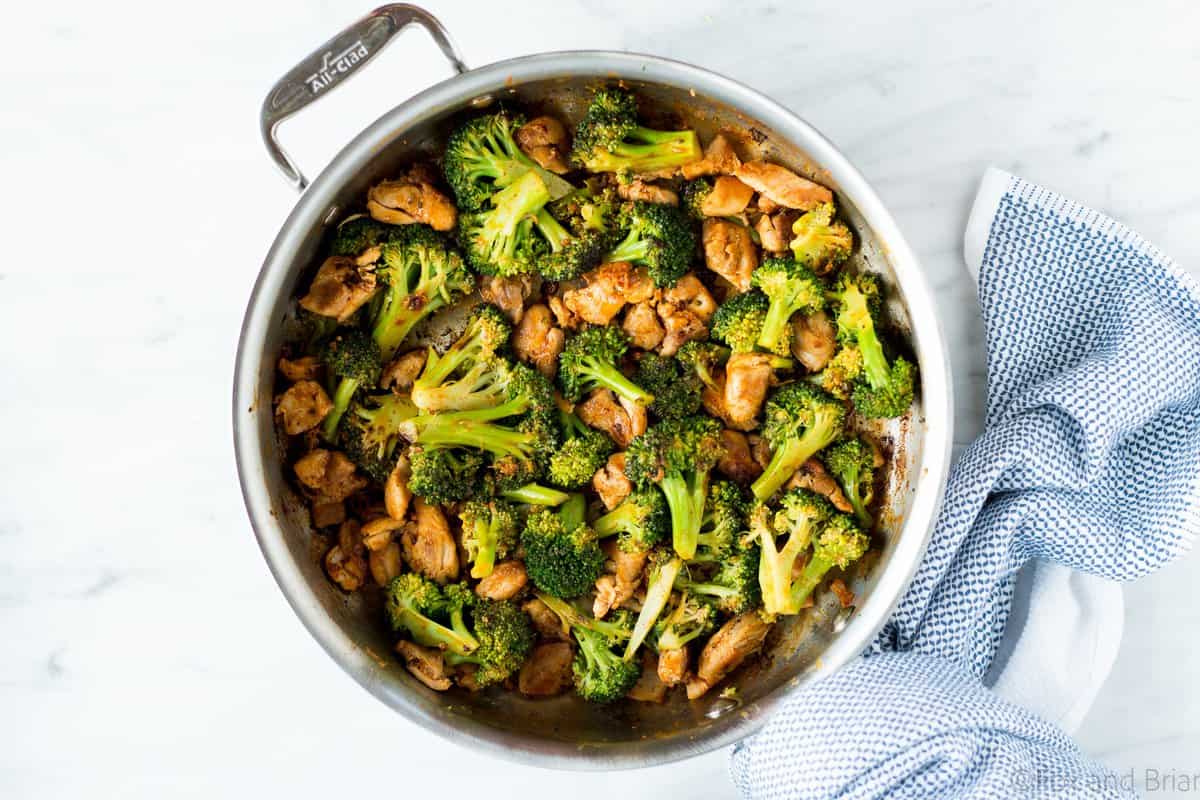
<point x="1090" y="459"/>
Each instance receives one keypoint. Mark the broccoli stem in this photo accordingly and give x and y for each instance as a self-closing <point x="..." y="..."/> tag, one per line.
<point x="631" y="248"/>
<point x="646" y="150"/>
<point x="620" y="519"/>
<point x="608" y="376"/>
<point x="428" y="633"/>
<point x="658" y="592"/>
<point x="787" y="459"/>
<point x="685" y="497"/>
<point x="853" y="491"/>
<point x="775" y="323"/>
<point x="775" y="572"/>
<point x="536" y="495"/>
<point x="573" y="511"/>
<point x="875" y="365"/>
<point x="342" y="396"/>
<point x="485" y="558"/>
<point x="810" y="577"/>
<point x="550" y="228"/>
<point x="473" y="429"/>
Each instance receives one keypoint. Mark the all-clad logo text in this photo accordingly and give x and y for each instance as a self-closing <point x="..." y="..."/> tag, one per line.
<point x="334" y="66"/>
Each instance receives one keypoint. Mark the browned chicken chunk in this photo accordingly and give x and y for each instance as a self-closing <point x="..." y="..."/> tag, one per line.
<point x="340" y="288"/>
<point x="672" y="666"/>
<point x="330" y="474"/>
<point x="384" y="563"/>
<point x="639" y="189"/>
<point x="412" y="198"/>
<point x="548" y="670"/>
<point x="812" y="475"/>
<point x="747" y="378"/>
<point x="713" y="397"/>
<point x="775" y="231"/>
<point x="346" y="561"/>
<point x="508" y="294"/>
<point x="507" y="580"/>
<point x="606" y="291"/>
<point x="565" y="317"/>
<point x="814" y="340"/>
<point x="729" y="251"/>
<point x="610" y="482"/>
<point x="783" y="186"/>
<point x="379" y="532"/>
<point x="606" y="596"/>
<point x="690" y="294"/>
<point x="544" y="139"/>
<point x="737" y="640"/>
<point x="760" y="449"/>
<point x="628" y="570"/>
<point x="537" y="341"/>
<point x="737" y="463"/>
<point x="648" y="689"/>
<point x="403" y="370"/>
<point x="326" y="513"/>
<point x="302" y="407"/>
<point x="428" y="546"/>
<point x="681" y="326"/>
<point x="305" y="368"/>
<point x="602" y="411"/>
<point x="719" y="159"/>
<point x="728" y="198"/>
<point x="396" y="494"/>
<point x="545" y="622"/>
<point x="642" y="327"/>
<point x="425" y="664"/>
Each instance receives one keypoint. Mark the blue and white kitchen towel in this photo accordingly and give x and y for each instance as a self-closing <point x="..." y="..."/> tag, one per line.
<point x="1089" y="462"/>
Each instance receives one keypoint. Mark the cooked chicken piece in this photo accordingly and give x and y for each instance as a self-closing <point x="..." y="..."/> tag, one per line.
<point x="508" y="294"/>
<point x="385" y="563"/>
<point x="411" y="198"/>
<point x="302" y="407"/>
<point x="466" y="677"/>
<point x="606" y="596"/>
<point x="602" y="411"/>
<point x="610" y="482"/>
<point x="760" y="449"/>
<point x="638" y="189"/>
<point x="565" y="317"/>
<point x="728" y="198"/>
<point x="425" y="664"/>
<point x="814" y="340"/>
<point x="642" y="327"/>
<point x="783" y="186"/>
<point x="340" y="288"/>
<point x="729" y="251"/>
<point x="636" y="414"/>
<point x="428" y="546"/>
<point x="545" y="622"/>
<point x="548" y="670"/>
<point x="396" y="494"/>
<point x="330" y="474"/>
<point x="305" y="368"/>
<point x="738" y="639"/>
<point x="844" y="595"/>
<point x="628" y="570"/>
<point x="400" y="374"/>
<point x="378" y="533"/>
<point x="544" y="139"/>
<point x="648" y="689"/>
<point x="737" y="464"/>
<point x="672" y="666"/>
<point x="775" y="231"/>
<point x="719" y="159"/>
<point x="747" y="378"/>
<point x="681" y="326"/>
<point x="346" y="561"/>
<point x="813" y="475"/>
<point x="690" y="294"/>
<point x="326" y="513"/>
<point x="606" y="291"/>
<point x="368" y="256"/>
<point x="766" y="205"/>
<point x="507" y="580"/>
<point x="537" y="342"/>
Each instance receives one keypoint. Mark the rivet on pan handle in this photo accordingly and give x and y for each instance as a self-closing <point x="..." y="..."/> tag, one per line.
<point x="332" y="64"/>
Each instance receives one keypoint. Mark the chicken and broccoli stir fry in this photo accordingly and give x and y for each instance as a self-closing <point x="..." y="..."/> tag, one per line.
<point x="642" y="449"/>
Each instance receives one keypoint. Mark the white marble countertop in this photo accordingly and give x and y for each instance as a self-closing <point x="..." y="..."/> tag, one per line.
<point x="147" y="651"/>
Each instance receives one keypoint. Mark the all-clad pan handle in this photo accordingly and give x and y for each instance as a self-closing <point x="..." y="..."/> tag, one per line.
<point x="331" y="64"/>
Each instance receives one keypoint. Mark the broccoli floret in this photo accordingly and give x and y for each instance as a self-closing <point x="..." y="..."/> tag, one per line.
<point x="470" y="374"/>
<point x="421" y="273"/>
<point x="505" y="637"/>
<point x="570" y="253"/>
<point x="692" y="617"/>
<point x="661" y="572"/>
<point x="370" y="433"/>
<point x="589" y="361"/>
<point x="503" y="239"/>
<point x="800" y="419"/>
<point x="739" y="321"/>
<point x="482" y="157"/>
<point x="888" y="388"/>
<point x="640" y="521"/>
<point x="443" y="475"/>
<point x="353" y="358"/>
<point x="723" y="523"/>
<point x="561" y="553"/>
<point x="733" y="586"/>
<point x="583" y="451"/>
<point x="678" y="455"/>
<point x="416" y="604"/>
<point x="657" y="237"/>
<point x="841" y="372"/>
<point x="790" y="287"/>
<point x="489" y="532"/>
<point x="356" y="235"/>
<point x="819" y="241"/>
<point x="675" y="387"/>
<point x="609" y="138"/>
<point x="805" y="519"/>
<point x="591" y="207"/>
<point x="601" y="676"/>
<point x="694" y="194"/>
<point x="852" y="462"/>
<point x="705" y="358"/>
